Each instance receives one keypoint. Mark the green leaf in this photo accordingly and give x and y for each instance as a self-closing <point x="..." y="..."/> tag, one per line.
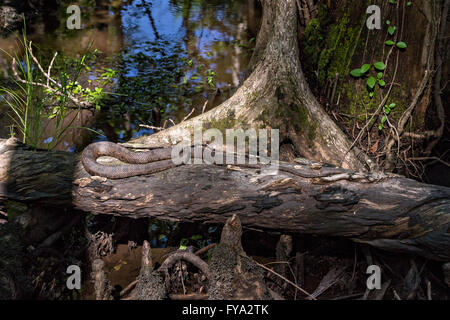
<point x="380" y="127"/>
<point x="401" y="45"/>
<point x="356" y="73"/>
<point x="387" y="110"/>
<point x="380" y="75"/>
<point x="389" y="42"/>
<point x="408" y="3"/>
<point x="371" y="82"/>
<point x="383" y="120"/>
<point x="381" y="83"/>
<point x="392" y="105"/>
<point x="371" y="94"/>
<point x="365" y="68"/>
<point x="388" y="22"/>
<point x="392" y="1"/>
<point x="379" y="65"/>
<point x="391" y="30"/>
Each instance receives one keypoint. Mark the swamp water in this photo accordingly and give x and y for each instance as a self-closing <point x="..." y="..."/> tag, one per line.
<point x="168" y="57"/>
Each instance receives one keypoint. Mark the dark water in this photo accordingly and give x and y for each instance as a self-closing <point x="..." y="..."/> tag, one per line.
<point x="170" y="56"/>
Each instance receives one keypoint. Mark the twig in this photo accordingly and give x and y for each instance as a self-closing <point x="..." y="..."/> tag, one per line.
<point x="128" y="288"/>
<point x="190" y="113"/>
<point x="205" y="249"/>
<point x="422" y="135"/>
<point x="204" y="106"/>
<point x="428" y="289"/>
<point x="430" y="158"/>
<point x="336" y="80"/>
<point x="327" y="281"/>
<point x="30" y="50"/>
<point x="288" y="281"/>
<point x="396" y="296"/>
<point x="50" y="66"/>
<point x="181" y="276"/>
<point x="82" y="104"/>
<point x="151" y="127"/>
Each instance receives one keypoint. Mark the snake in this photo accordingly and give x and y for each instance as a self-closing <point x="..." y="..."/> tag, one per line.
<point x="136" y="163"/>
<point x="157" y="160"/>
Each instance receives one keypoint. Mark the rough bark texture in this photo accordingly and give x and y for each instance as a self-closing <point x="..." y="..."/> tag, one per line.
<point x="234" y="274"/>
<point x="150" y="284"/>
<point x="386" y="211"/>
<point x="231" y="273"/>
<point x="275" y="95"/>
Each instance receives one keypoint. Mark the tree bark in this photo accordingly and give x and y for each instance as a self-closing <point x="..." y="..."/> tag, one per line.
<point x="384" y="210"/>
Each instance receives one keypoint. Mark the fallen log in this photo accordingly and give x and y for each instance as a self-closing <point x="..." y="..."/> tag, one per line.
<point x="384" y="210"/>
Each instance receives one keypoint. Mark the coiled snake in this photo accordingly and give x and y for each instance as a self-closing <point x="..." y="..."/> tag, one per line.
<point x="137" y="163"/>
<point x="156" y="160"/>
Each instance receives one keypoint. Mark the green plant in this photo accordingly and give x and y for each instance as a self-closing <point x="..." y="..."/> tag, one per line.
<point x="371" y="80"/>
<point x="37" y="100"/>
<point x="387" y="110"/>
<point x="210" y="76"/>
<point x="198" y="239"/>
<point x="391" y="30"/>
<point x="23" y="100"/>
<point x="378" y="66"/>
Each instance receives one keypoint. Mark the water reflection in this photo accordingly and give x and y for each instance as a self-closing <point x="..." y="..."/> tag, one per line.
<point x="172" y="55"/>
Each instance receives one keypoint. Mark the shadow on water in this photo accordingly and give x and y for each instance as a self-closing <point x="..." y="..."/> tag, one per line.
<point x="170" y="56"/>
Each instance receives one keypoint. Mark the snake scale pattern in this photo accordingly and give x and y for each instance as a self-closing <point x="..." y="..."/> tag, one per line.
<point x="137" y="163"/>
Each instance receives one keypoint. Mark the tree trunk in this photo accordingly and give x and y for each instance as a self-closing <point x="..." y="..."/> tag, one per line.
<point x="276" y="95"/>
<point x="383" y="210"/>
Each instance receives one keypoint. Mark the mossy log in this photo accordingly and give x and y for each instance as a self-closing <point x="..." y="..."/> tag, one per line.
<point x="384" y="210"/>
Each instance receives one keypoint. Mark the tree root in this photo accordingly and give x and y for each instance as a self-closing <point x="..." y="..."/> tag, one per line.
<point x="231" y="273"/>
